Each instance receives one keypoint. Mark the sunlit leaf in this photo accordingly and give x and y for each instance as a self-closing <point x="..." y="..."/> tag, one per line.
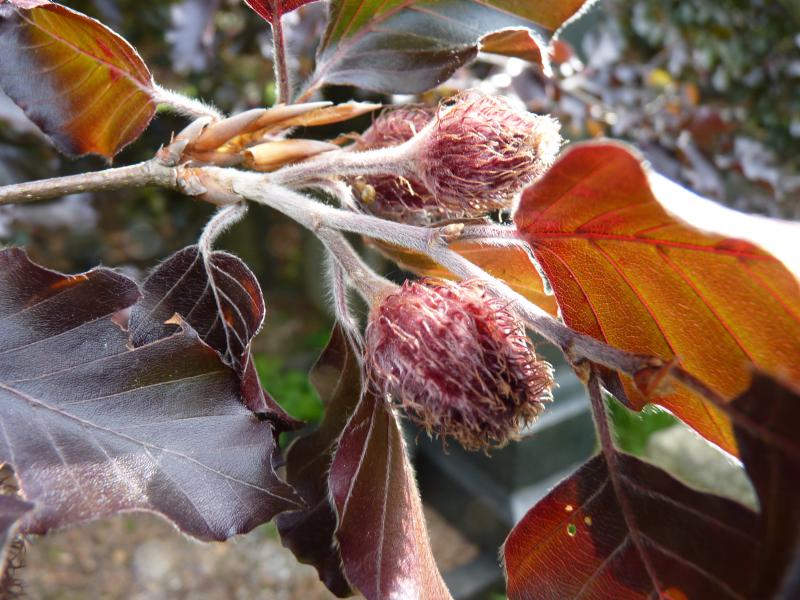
<point x="93" y="426"/>
<point x="80" y="82"/>
<point x="630" y="531"/>
<point x="511" y="264"/>
<point x="406" y="46"/>
<point x="310" y="533"/>
<point x="12" y="509"/>
<point x="628" y="273"/>
<point x="520" y="43"/>
<point x="381" y="529"/>
<point x="223" y="303"/>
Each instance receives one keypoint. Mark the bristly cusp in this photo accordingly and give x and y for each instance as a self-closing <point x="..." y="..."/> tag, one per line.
<point x="457" y="360"/>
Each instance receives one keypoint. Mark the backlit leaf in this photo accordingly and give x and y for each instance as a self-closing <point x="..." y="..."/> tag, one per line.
<point x="93" y="426"/>
<point x="630" y="531"/>
<point x="269" y="9"/>
<point x="511" y="264"/>
<point x="80" y="82"/>
<point x="409" y="46"/>
<point x="309" y="533"/>
<point x="381" y="529"/>
<point x="12" y="509"/>
<point x="223" y="303"/>
<point x="520" y="43"/>
<point x="625" y="271"/>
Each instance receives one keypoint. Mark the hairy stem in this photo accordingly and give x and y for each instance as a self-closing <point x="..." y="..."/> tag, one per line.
<point x="188" y="107"/>
<point x="139" y="175"/>
<point x="225" y="218"/>
<point x="369" y="284"/>
<point x="284" y="90"/>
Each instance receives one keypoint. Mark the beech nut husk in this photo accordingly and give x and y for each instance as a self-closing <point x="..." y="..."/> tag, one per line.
<point x="457" y="360"/>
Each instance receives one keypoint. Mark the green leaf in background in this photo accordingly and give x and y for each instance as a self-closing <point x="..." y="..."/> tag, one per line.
<point x="290" y="387"/>
<point x="633" y="429"/>
<point x="409" y="46"/>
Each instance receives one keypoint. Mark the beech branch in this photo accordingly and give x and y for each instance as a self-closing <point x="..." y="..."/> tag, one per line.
<point x="142" y="174"/>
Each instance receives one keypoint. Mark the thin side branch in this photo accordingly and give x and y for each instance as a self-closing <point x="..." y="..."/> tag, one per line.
<point x="369" y="284"/>
<point x="142" y="174"/>
<point x="284" y="89"/>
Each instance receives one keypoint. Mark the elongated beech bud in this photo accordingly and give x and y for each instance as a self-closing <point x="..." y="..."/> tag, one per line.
<point x="403" y="199"/>
<point x="457" y="360"/>
<point x="480" y="151"/>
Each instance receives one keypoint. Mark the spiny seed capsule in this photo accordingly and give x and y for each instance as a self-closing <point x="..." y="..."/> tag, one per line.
<point x="393" y="197"/>
<point x="457" y="360"/>
<point x="480" y="152"/>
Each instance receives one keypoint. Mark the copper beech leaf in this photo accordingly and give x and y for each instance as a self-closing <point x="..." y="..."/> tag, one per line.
<point x="12" y="509"/>
<point x="629" y="530"/>
<point x="270" y="9"/>
<point x="766" y="422"/>
<point x="222" y="301"/>
<point x="93" y="426"/>
<point x="509" y="263"/>
<point x="519" y="42"/>
<point x="626" y="272"/>
<point x="80" y="82"/>
<point x="381" y="529"/>
<point x="309" y="533"/>
<point x="409" y="46"/>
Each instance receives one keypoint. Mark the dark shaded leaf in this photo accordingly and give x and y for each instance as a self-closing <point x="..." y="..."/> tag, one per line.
<point x="627" y="272"/>
<point x="269" y="9"/>
<point x="12" y="509"/>
<point x="630" y="531"/>
<point x="409" y="46"/>
<point x="80" y="82"/>
<point x="223" y="303"/>
<point x="93" y="427"/>
<point x="381" y="532"/>
<point x="766" y="422"/>
<point x="310" y="533"/>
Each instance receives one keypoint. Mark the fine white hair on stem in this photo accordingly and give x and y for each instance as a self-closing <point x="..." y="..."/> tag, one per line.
<point x="183" y="105"/>
<point x="225" y="218"/>
<point x="339" y="295"/>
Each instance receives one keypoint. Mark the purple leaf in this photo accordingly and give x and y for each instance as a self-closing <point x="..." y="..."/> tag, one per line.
<point x="310" y="533"/>
<point x="93" y="426"/>
<point x="381" y="529"/>
<point x="222" y="302"/>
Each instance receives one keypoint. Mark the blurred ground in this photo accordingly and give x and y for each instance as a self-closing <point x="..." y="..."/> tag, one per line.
<point x="142" y="557"/>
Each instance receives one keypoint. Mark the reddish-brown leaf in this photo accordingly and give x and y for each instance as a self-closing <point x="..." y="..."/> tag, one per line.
<point x="766" y="422"/>
<point x="222" y="300"/>
<point x="80" y="82"/>
<point x="93" y="427"/>
<point x="269" y="9"/>
<point x="12" y="509"/>
<point x="310" y="533"/>
<point x="509" y="263"/>
<point x="381" y="529"/>
<point x="628" y="273"/>
<point x="519" y="42"/>
<point x="630" y="531"/>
